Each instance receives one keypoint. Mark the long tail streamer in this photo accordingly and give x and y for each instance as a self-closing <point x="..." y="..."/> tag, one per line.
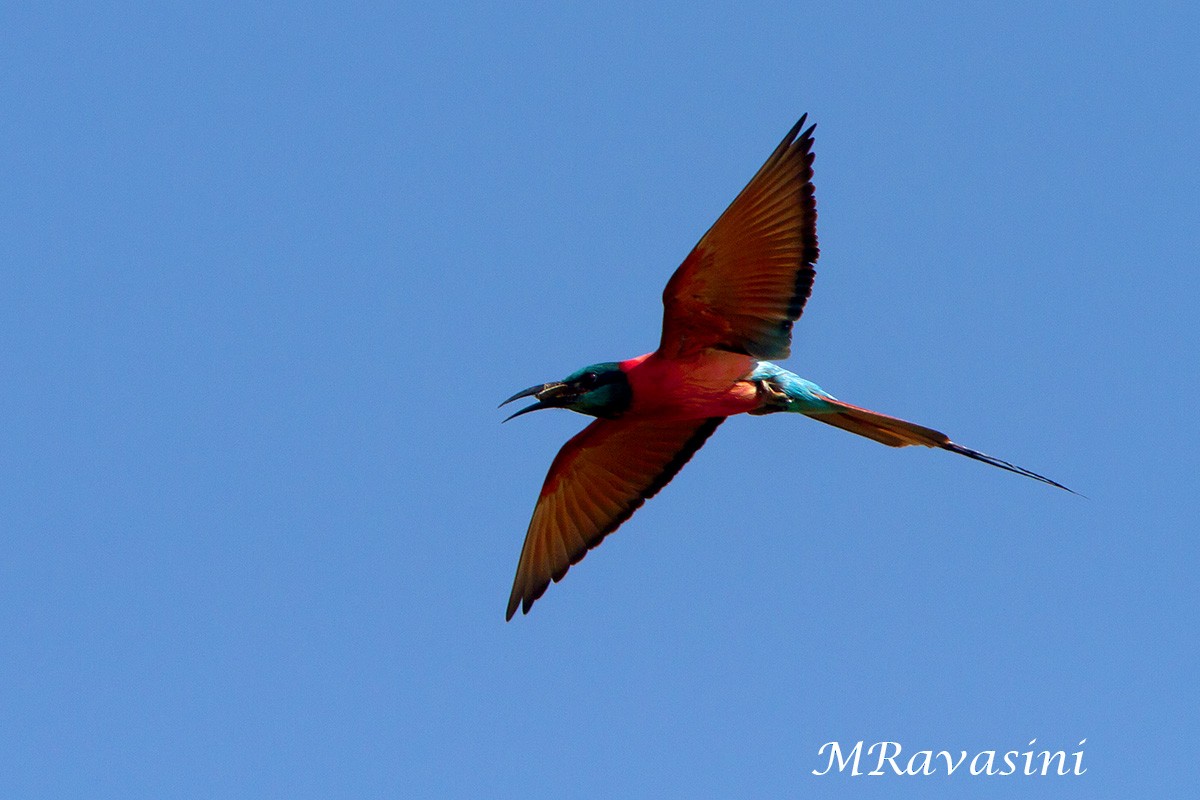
<point x="896" y="432"/>
<point x="1002" y="464"/>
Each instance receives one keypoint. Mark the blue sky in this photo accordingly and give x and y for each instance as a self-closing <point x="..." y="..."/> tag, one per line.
<point x="266" y="274"/>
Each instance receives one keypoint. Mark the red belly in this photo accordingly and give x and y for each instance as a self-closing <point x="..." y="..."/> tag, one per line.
<point x="707" y="385"/>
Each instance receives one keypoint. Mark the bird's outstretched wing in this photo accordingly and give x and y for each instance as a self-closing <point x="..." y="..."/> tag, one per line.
<point x="598" y="479"/>
<point x="747" y="279"/>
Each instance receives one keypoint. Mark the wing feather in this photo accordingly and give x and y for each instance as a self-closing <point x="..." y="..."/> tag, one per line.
<point x="746" y="281"/>
<point x="598" y="479"/>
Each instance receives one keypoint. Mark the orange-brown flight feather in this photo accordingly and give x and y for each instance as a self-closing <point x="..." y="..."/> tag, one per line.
<point x="747" y="280"/>
<point x="596" y="482"/>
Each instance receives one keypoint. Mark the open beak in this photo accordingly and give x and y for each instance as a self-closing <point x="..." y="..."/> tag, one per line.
<point x="549" y="395"/>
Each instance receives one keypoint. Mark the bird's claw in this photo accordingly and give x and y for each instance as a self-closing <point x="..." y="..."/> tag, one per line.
<point x="773" y="398"/>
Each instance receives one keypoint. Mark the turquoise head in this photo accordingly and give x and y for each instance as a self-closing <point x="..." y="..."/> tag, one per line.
<point x="598" y="390"/>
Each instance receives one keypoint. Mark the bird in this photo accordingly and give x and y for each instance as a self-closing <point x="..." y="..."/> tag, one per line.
<point x="728" y="312"/>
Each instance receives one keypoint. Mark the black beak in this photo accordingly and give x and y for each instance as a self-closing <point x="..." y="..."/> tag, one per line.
<point x="549" y="395"/>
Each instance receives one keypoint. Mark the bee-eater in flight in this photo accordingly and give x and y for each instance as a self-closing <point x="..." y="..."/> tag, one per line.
<point x="729" y="306"/>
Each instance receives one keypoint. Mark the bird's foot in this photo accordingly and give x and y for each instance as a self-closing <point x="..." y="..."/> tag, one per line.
<point x="771" y="397"/>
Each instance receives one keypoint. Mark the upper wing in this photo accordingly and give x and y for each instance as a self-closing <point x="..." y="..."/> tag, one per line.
<point x="746" y="281"/>
<point x="598" y="479"/>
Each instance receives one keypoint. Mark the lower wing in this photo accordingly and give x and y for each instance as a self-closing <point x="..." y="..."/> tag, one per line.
<point x="598" y="479"/>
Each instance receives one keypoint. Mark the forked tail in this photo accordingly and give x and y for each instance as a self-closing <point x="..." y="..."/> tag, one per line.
<point x="896" y="432"/>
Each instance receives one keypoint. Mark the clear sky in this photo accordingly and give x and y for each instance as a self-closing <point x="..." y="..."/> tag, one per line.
<point x="266" y="275"/>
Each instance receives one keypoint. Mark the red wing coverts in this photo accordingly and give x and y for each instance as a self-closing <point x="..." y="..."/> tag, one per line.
<point x="598" y="479"/>
<point x="747" y="280"/>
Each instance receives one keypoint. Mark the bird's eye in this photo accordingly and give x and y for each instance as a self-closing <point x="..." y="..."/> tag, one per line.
<point x="587" y="380"/>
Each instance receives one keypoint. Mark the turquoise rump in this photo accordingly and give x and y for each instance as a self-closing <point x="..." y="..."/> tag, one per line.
<point x="791" y="392"/>
<point x="727" y="311"/>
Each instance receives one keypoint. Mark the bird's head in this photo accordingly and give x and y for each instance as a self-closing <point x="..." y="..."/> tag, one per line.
<point x="600" y="390"/>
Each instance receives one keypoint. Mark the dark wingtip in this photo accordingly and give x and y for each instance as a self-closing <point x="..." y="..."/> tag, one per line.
<point x="514" y="602"/>
<point x="795" y="133"/>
